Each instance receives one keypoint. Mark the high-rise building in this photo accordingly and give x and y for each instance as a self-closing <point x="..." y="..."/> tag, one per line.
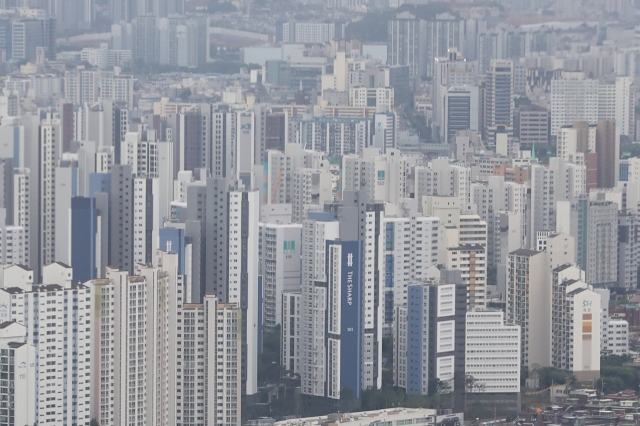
<point x="311" y="188"/>
<point x="121" y="217"/>
<point x="341" y="294"/>
<point x="532" y="125"/>
<point x="146" y="37"/>
<point x="615" y="102"/>
<point x="443" y="178"/>
<point x="84" y="238"/>
<point x="291" y="315"/>
<point x="183" y="385"/>
<point x="404" y="43"/>
<point x="594" y="226"/>
<point x="628" y="247"/>
<point x="575" y="325"/>
<point x="19" y="359"/>
<point x="335" y="136"/>
<point x="66" y="177"/>
<point x="498" y="98"/>
<point x="313" y="354"/>
<point x="608" y="150"/>
<point x="50" y="150"/>
<point x="429" y="334"/>
<point x="74" y="15"/>
<point x="573" y="98"/>
<point x="528" y="295"/>
<point x="146" y="219"/>
<point x="230" y="235"/>
<point x="442" y="33"/>
<point x="57" y="316"/>
<point x="471" y="260"/>
<point x="461" y="111"/>
<point x="567" y="180"/>
<point x="492" y="353"/>
<point x="280" y="249"/>
<point x="492" y="199"/>
<point x="411" y="248"/>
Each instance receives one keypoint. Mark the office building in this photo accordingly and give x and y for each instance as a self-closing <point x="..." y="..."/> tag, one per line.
<point x="532" y="125"/>
<point x="492" y="353"/>
<point x="461" y="111"/>
<point x="498" y="98"/>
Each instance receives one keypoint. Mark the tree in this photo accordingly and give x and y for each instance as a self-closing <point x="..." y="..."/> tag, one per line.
<point x="617" y="374"/>
<point x="347" y="398"/>
<point x="185" y="95"/>
<point x="552" y="376"/>
<point x="473" y="385"/>
<point x="94" y="422"/>
<point x="438" y="387"/>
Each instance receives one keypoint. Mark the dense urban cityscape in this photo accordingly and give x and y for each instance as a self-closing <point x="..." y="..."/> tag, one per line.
<point x="319" y="212"/>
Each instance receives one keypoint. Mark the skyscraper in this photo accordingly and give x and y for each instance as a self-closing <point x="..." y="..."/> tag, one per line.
<point x="498" y="99"/>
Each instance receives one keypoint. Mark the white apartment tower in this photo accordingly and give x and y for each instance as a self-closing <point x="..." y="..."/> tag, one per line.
<point x="146" y="219"/>
<point x="280" y="250"/>
<point x="573" y="98"/>
<point x="58" y="321"/>
<point x="411" y="247"/>
<point x="173" y="380"/>
<point x="558" y="181"/>
<point x="358" y="173"/>
<point x="206" y="394"/>
<point x="19" y="359"/>
<point x="575" y="325"/>
<point x="529" y="294"/>
<point x="313" y="305"/>
<point x="310" y="187"/>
